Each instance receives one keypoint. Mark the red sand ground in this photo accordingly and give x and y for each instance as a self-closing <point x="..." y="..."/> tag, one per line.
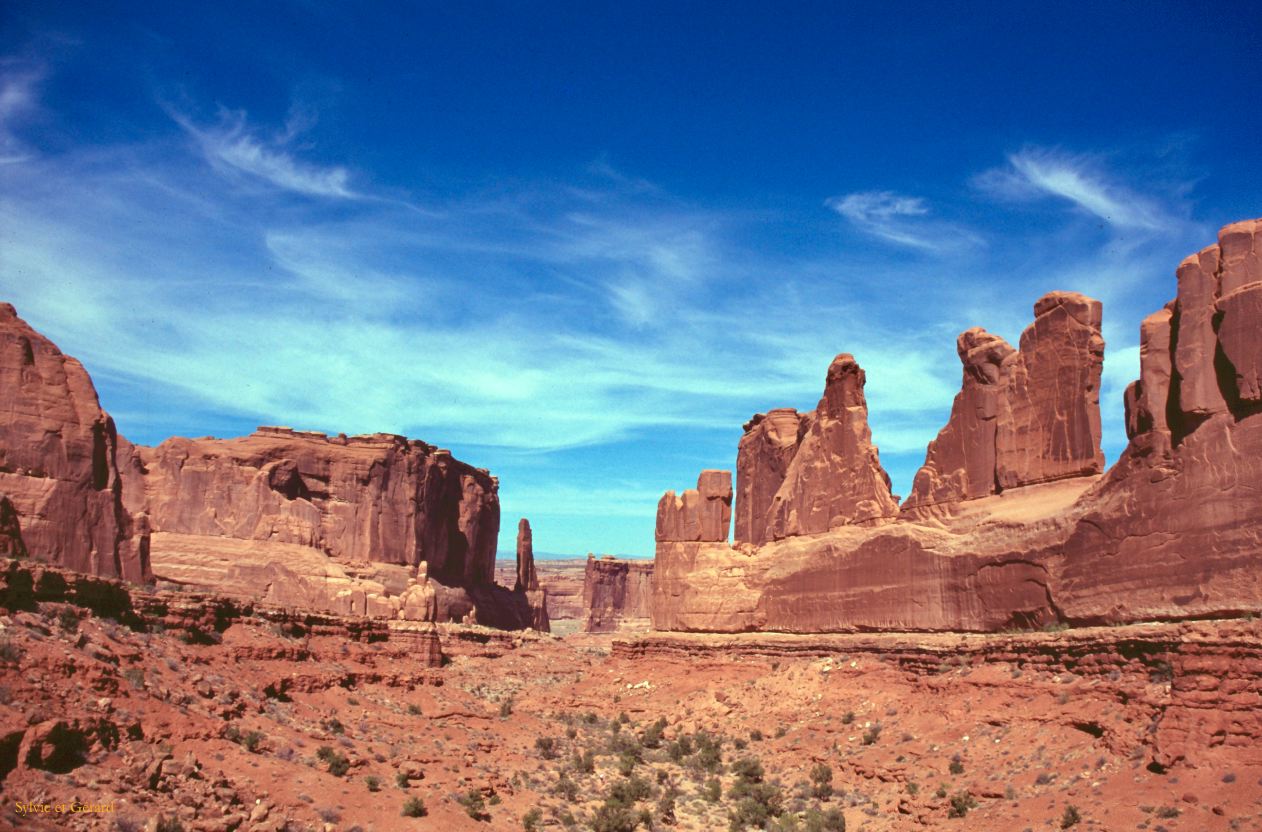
<point x="1031" y="738"/>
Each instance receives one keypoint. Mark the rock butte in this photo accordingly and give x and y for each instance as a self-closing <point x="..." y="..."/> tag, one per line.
<point x="617" y="594"/>
<point x="1012" y="521"/>
<point x="376" y="525"/>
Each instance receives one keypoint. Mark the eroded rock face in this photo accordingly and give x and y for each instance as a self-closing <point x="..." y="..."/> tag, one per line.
<point x="1173" y="530"/>
<point x="362" y="499"/>
<point x="762" y="461"/>
<point x="58" y="459"/>
<point x="835" y="478"/>
<point x="701" y="513"/>
<point x="1024" y="417"/>
<point x="527" y="579"/>
<point x="1034" y="533"/>
<point x="617" y="594"/>
<point x="11" y="543"/>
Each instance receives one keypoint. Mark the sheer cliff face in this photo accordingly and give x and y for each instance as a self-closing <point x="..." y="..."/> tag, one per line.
<point x="1024" y="417"/>
<point x="807" y="473"/>
<point x="58" y="460"/>
<point x="1010" y="522"/>
<point x="361" y="499"/>
<point x="1173" y="530"/>
<point x="617" y="594"/>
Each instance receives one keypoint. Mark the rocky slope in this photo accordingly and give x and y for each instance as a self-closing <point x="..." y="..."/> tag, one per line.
<point x="224" y="716"/>
<point x="1010" y="523"/>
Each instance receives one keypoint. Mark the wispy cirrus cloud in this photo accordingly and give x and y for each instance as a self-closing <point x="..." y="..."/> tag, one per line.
<point x="1039" y="173"/>
<point x="900" y="219"/>
<point x="231" y="146"/>
<point x="19" y="99"/>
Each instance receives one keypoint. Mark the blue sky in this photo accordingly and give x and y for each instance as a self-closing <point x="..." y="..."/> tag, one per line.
<point x="581" y="243"/>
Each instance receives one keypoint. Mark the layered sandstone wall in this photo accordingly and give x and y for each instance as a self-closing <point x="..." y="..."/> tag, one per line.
<point x="58" y="460"/>
<point x="1021" y="417"/>
<point x="1010" y="523"/>
<point x="379" y="498"/>
<point x="617" y="594"/>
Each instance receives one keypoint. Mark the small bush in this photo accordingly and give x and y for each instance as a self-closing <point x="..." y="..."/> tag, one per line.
<point x="531" y="820"/>
<point x="337" y="763"/>
<point x="1070" y="818"/>
<point x="756" y="735"/>
<point x="68" y="620"/>
<point x="506" y="709"/>
<point x="831" y="821"/>
<point x="1167" y="812"/>
<point x="334" y="726"/>
<point x="585" y="763"/>
<point x="474" y="805"/>
<point x="957" y="765"/>
<point x="871" y="735"/>
<point x="373" y="783"/>
<point x="847" y="718"/>
<point x="414" y="807"/>
<point x="546" y="746"/>
<point x="414" y="710"/>
<point x="401" y="780"/>
<point x="822" y="781"/>
<point x="135" y="677"/>
<point x="566" y="788"/>
<point x="614" y="817"/>
<point x="961" y="802"/>
<point x="712" y="790"/>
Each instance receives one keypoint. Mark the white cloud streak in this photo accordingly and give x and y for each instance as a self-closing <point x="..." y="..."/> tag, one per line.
<point x="19" y="99"/>
<point x="899" y="219"/>
<point x="231" y="146"/>
<point x="1037" y="173"/>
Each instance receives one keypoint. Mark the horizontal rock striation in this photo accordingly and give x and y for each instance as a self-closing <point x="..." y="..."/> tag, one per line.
<point x="378" y="498"/>
<point x="1011" y="523"/>
<point x="617" y="594"/>
<point x="58" y="460"/>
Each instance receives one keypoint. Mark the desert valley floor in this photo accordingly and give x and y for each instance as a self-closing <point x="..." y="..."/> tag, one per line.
<point x="269" y="725"/>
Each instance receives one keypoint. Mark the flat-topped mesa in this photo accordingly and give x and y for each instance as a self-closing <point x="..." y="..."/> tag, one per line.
<point x="762" y="460"/>
<point x="835" y="477"/>
<point x="378" y="499"/>
<point x="1021" y="417"/>
<point x="700" y="514"/>
<point x="57" y="460"/>
<point x="617" y="594"/>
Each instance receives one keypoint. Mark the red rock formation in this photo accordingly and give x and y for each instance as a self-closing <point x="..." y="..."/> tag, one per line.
<point x="1021" y="417"/>
<point x="11" y="543"/>
<point x="376" y="498"/>
<point x="57" y="459"/>
<point x="835" y="478"/>
<point x="617" y="594"/>
<point x="527" y="579"/>
<point x="1173" y="530"/>
<point x="701" y="513"/>
<point x="762" y="460"/>
<point x="1170" y="532"/>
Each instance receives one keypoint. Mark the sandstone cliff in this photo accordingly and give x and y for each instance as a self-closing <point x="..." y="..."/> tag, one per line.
<point x="1021" y="417"/>
<point x="1010" y="522"/>
<point x="58" y="464"/>
<point x="617" y="594"/>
